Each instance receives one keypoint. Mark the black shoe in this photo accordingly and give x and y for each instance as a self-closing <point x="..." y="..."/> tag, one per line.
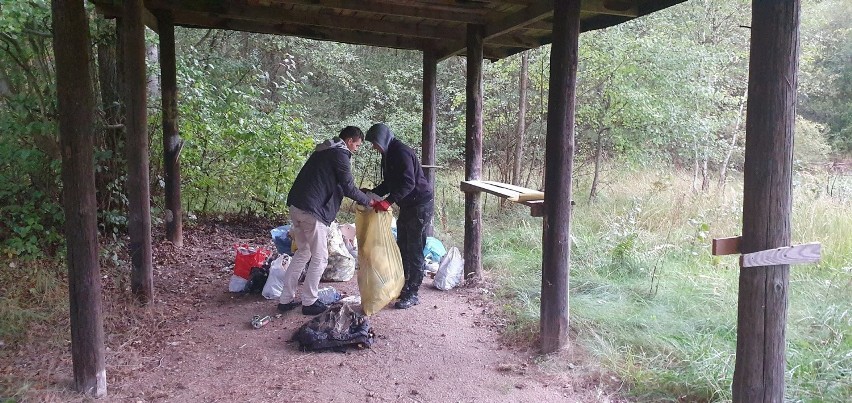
<point x="407" y="302"/>
<point x="288" y="306"/>
<point x="315" y="309"/>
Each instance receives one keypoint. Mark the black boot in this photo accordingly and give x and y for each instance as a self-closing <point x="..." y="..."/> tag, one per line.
<point x="314" y="309"/>
<point x="407" y="302"/>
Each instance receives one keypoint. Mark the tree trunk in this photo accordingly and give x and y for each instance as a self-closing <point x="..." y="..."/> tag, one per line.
<point x="695" y="159"/>
<point x="113" y="109"/>
<point x="723" y="171"/>
<point x="767" y="200"/>
<point x="522" y="118"/>
<point x="152" y="56"/>
<point x="705" y="175"/>
<point x="593" y="193"/>
<point x="76" y="110"/>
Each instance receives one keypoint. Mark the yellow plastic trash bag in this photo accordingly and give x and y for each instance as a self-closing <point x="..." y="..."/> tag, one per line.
<point x="380" y="275"/>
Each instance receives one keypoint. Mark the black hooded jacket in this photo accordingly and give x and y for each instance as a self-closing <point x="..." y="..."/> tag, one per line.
<point x="323" y="181"/>
<point x="404" y="181"/>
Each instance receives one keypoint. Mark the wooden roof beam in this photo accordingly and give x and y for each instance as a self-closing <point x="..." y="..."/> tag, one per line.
<point x="113" y="9"/>
<point x="624" y="8"/>
<point x="311" y="32"/>
<point x="532" y="13"/>
<point x="541" y="10"/>
<point x="463" y="15"/>
<point x="193" y="14"/>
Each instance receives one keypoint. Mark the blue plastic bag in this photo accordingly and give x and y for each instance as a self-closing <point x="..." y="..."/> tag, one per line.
<point x="282" y="242"/>
<point x="434" y="249"/>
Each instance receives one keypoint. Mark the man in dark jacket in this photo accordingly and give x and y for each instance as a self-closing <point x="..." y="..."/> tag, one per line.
<point x="405" y="185"/>
<point x="314" y="201"/>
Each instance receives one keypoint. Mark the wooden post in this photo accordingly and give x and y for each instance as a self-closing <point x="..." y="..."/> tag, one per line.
<point x="138" y="193"/>
<point x="76" y="100"/>
<point x="473" y="152"/>
<point x="767" y="200"/>
<point x="559" y="160"/>
<point x="430" y="95"/>
<point x="172" y="142"/>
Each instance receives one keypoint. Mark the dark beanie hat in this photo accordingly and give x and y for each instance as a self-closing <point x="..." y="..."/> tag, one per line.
<point x="380" y="135"/>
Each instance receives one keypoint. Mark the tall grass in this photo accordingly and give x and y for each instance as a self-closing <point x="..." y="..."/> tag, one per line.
<point x="648" y="299"/>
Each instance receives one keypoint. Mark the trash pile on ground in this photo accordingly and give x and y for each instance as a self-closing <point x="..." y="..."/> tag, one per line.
<point x="367" y="249"/>
<point x="339" y="327"/>
<point x="247" y="258"/>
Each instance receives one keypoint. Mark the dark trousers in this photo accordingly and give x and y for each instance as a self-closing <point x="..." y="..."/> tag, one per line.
<point x="411" y="239"/>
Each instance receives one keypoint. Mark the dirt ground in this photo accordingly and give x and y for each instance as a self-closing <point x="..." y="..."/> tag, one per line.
<point x="195" y="344"/>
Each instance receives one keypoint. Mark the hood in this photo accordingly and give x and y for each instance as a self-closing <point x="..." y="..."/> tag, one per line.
<point x="335" y="142"/>
<point x="380" y="135"/>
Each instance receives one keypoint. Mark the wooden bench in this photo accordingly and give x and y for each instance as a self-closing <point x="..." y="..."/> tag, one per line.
<point x="521" y="195"/>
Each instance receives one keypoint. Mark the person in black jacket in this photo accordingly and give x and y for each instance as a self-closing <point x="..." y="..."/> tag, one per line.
<point x="406" y="186"/>
<point x="314" y="201"/>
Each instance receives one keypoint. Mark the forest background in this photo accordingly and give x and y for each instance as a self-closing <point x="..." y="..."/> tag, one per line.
<point x="659" y="150"/>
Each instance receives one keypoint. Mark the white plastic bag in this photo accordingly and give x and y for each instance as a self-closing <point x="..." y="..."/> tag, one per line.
<point x="275" y="281"/>
<point x="348" y="233"/>
<point x="450" y="271"/>
<point x="237" y="284"/>
<point x="341" y="265"/>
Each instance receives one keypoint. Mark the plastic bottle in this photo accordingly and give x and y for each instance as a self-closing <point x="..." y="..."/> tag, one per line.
<point x="328" y="295"/>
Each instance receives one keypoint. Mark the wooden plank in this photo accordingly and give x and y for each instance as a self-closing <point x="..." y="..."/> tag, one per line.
<point x="172" y="142"/>
<point x="479" y="186"/>
<point x="76" y="109"/>
<point x="805" y="253"/>
<point x="534" y="199"/>
<point x="473" y="152"/>
<point x="525" y="197"/>
<point x="759" y="372"/>
<point x="726" y="246"/>
<point x="136" y="124"/>
<point x="559" y="160"/>
<point x="509" y="186"/>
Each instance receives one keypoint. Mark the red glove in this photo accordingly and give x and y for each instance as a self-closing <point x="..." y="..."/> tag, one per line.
<point x="381" y="205"/>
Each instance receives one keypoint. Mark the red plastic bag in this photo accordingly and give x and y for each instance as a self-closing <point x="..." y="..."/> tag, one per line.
<point x="247" y="258"/>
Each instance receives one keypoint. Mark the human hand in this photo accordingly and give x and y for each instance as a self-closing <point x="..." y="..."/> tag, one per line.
<point x="381" y="205"/>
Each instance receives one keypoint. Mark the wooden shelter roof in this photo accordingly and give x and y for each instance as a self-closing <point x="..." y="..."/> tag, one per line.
<point x="511" y="26"/>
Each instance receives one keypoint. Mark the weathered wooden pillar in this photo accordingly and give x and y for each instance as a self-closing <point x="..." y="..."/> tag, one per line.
<point x="76" y="136"/>
<point x="473" y="152"/>
<point x="559" y="161"/>
<point x="172" y="142"/>
<point x="430" y="95"/>
<point x="138" y="192"/>
<point x="767" y="199"/>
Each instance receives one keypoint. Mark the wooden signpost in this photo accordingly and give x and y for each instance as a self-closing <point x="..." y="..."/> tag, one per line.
<point x="804" y="253"/>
